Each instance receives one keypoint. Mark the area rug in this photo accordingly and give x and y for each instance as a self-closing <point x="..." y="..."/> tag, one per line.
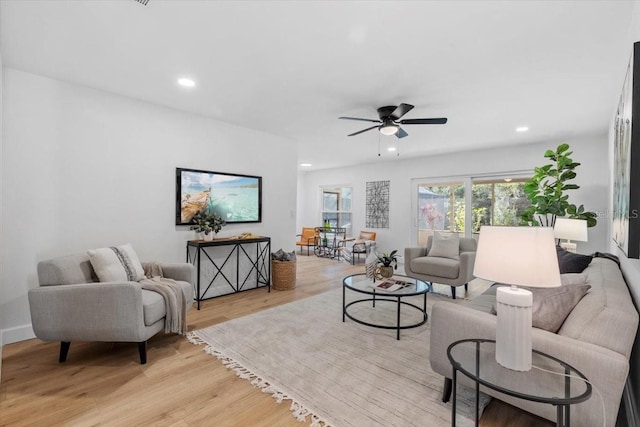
<point x="339" y="374"/>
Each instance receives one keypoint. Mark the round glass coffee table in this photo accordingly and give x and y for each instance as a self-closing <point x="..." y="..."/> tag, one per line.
<point x="361" y="284"/>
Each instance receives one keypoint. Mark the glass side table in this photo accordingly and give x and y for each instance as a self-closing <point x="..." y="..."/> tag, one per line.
<point x="550" y="381"/>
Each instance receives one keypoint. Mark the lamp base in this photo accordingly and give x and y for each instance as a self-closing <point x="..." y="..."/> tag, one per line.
<point x="569" y="247"/>
<point x="513" y="328"/>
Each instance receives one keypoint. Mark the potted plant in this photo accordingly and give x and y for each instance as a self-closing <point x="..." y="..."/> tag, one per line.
<point x="386" y="264"/>
<point x="207" y="223"/>
<point x="547" y="191"/>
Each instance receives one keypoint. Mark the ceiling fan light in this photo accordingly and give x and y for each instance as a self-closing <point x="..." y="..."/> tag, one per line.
<point x="388" y="129"/>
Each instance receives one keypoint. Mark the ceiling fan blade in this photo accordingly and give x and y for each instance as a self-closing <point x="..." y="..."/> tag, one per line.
<point x="362" y="120"/>
<point x="401" y="133"/>
<point x="436" y="121"/>
<point x="400" y="111"/>
<point x="363" y="130"/>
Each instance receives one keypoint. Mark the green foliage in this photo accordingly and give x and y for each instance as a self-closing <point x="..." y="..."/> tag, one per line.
<point x="388" y="259"/>
<point x="207" y="222"/>
<point x="547" y="191"/>
<point x="478" y="215"/>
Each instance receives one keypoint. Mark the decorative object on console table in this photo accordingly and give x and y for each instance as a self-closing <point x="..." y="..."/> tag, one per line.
<point x="570" y="229"/>
<point x="523" y="256"/>
<point x="626" y="175"/>
<point x="388" y="262"/>
<point x="207" y="223"/>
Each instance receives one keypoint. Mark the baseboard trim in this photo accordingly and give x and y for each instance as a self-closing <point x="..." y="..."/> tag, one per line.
<point x="630" y="405"/>
<point x="16" y="334"/>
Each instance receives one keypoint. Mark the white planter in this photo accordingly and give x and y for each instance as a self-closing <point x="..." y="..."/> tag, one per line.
<point x="208" y="237"/>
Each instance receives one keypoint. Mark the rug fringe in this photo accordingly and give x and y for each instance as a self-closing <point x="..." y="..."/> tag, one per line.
<point x="299" y="411"/>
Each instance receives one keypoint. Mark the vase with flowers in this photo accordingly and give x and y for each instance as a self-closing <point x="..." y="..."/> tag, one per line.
<point x="207" y="223"/>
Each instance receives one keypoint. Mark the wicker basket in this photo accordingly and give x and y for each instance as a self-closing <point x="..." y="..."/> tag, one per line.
<point x="283" y="275"/>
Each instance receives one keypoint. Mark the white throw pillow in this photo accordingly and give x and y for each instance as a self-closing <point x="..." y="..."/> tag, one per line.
<point x="444" y="246"/>
<point x="116" y="264"/>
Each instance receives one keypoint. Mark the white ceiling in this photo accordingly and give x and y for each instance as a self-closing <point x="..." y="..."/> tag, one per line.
<point x="291" y="68"/>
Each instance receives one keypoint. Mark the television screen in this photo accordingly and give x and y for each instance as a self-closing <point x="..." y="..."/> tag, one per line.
<point x="236" y="198"/>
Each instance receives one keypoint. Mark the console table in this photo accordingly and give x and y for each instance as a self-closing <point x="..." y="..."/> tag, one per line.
<point x="230" y="265"/>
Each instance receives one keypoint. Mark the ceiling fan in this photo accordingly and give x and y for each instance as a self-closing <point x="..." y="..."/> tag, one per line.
<point x="389" y="120"/>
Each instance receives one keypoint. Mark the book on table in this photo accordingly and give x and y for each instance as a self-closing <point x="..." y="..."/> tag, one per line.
<point x="390" y="285"/>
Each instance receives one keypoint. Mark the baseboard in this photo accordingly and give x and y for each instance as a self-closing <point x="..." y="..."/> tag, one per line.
<point x="1" y="345"/>
<point x="16" y="334"/>
<point x="632" y="417"/>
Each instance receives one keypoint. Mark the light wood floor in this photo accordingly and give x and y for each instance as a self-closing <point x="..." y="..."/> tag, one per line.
<point x="103" y="383"/>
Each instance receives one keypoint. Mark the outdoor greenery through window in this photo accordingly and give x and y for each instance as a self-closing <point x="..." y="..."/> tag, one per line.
<point x="498" y="202"/>
<point x="442" y="206"/>
<point x="336" y="207"/>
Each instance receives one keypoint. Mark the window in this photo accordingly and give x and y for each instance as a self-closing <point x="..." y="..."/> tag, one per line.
<point x="440" y="207"/>
<point x="498" y="202"/>
<point x="464" y="204"/>
<point x="336" y="207"/>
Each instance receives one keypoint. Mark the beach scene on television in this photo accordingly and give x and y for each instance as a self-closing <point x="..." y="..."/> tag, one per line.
<point x="234" y="198"/>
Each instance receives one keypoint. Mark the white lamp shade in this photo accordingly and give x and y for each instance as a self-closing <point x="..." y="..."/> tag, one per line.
<point x="570" y="229"/>
<point x="524" y="256"/>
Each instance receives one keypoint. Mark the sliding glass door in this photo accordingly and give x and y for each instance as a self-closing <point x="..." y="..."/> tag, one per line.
<point x="440" y="207"/>
<point x="463" y="205"/>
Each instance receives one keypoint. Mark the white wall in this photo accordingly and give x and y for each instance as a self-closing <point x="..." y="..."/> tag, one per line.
<point x="1" y="207"/>
<point x="83" y="169"/>
<point x="592" y="177"/>
<point x="630" y="267"/>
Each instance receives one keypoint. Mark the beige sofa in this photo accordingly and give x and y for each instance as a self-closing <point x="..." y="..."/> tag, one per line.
<point x="596" y="338"/>
<point x="71" y="305"/>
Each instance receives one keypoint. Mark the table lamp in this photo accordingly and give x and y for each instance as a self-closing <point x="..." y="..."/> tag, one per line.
<point x="513" y="256"/>
<point x="570" y="229"/>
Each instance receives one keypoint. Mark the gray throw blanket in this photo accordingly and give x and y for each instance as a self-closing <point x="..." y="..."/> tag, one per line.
<point x="176" y="312"/>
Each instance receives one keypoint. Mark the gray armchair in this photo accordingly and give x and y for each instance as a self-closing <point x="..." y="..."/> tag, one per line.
<point x="71" y="305"/>
<point x="447" y="271"/>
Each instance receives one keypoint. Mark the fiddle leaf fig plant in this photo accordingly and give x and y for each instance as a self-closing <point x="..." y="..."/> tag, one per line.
<point x="546" y="190"/>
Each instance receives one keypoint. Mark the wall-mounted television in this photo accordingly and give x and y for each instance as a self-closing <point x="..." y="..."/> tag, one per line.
<point x="236" y="198"/>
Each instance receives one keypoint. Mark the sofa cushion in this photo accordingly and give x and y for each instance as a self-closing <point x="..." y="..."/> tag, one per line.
<point x="66" y="270"/>
<point x="153" y="304"/>
<point x="444" y="246"/>
<point x="570" y="262"/>
<point x="116" y="264"/>
<point x="551" y="306"/>
<point x="435" y="266"/>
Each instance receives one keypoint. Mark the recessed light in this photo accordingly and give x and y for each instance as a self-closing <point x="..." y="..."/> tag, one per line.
<point x="186" y="82"/>
<point x="306" y="165"/>
<point x="522" y="129"/>
<point x="391" y="149"/>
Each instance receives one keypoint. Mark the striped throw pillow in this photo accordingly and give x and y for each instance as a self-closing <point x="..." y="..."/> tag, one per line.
<point x="116" y="264"/>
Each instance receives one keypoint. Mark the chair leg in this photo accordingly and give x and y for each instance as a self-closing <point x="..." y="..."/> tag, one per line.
<point x="64" y="350"/>
<point x="466" y="287"/>
<point x="142" y="349"/>
<point x="453" y="292"/>
<point x="446" y="390"/>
